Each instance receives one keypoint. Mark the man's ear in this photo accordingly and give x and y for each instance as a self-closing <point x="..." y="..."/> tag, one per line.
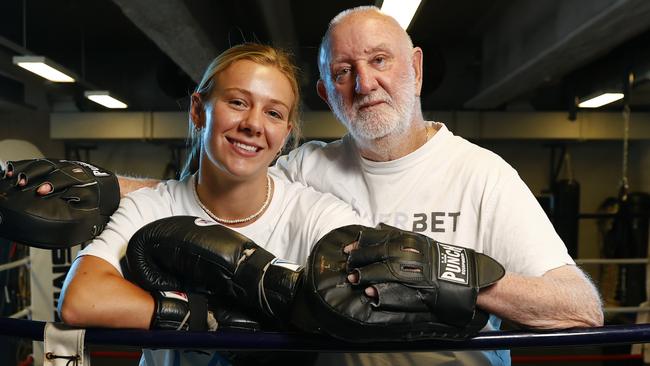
<point x="197" y="112"/>
<point x="322" y="92"/>
<point x="417" y="66"/>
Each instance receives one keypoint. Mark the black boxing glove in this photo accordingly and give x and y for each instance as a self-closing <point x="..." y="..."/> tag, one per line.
<point x="232" y="315"/>
<point x="83" y="198"/>
<point x="185" y="252"/>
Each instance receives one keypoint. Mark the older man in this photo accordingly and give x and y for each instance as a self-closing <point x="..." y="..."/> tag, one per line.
<point x="417" y="175"/>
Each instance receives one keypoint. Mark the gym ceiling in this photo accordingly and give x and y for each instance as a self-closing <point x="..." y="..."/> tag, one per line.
<point x="523" y="55"/>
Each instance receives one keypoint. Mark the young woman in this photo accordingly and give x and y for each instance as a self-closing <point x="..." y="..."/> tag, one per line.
<point x="241" y="115"/>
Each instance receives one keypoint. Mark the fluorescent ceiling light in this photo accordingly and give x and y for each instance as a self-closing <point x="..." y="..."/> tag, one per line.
<point x="600" y="100"/>
<point x="45" y="68"/>
<point x="104" y="98"/>
<point x="402" y="10"/>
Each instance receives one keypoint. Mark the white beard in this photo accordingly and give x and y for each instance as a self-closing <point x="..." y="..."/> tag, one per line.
<point x="392" y="117"/>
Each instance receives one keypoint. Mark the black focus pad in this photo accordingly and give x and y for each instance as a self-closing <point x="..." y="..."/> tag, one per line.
<point x="416" y="305"/>
<point x="76" y="211"/>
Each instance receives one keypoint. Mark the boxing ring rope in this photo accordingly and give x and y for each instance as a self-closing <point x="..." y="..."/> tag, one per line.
<point x="22" y="313"/>
<point x="612" y="261"/>
<point x="619" y="309"/>
<point x="260" y="341"/>
<point x="14" y="264"/>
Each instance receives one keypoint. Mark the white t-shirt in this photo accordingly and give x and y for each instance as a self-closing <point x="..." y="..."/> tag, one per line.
<point x="449" y="189"/>
<point x="296" y="218"/>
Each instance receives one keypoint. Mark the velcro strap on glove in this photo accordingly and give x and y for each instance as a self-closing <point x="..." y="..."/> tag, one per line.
<point x="171" y="311"/>
<point x="175" y="310"/>
<point x="282" y="281"/>
<point x="275" y="282"/>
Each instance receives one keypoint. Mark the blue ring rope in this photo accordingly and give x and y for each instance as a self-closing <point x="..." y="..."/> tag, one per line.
<point x="240" y="340"/>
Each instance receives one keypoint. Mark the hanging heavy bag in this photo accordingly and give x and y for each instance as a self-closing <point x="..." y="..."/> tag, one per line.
<point x="629" y="236"/>
<point x="566" y="194"/>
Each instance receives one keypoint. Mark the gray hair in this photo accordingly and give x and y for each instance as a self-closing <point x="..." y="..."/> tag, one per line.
<point x="324" y="48"/>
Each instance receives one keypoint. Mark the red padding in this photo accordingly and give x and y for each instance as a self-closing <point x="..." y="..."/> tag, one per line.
<point x="115" y="354"/>
<point x="573" y="358"/>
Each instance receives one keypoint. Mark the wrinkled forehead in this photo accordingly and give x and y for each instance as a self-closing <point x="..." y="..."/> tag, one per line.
<point x="364" y="33"/>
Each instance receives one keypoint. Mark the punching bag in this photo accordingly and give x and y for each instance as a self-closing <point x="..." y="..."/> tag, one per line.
<point x="628" y="238"/>
<point x="566" y="197"/>
<point x="608" y="275"/>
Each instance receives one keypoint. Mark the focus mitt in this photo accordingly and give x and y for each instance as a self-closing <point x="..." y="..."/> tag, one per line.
<point x="82" y="200"/>
<point x="426" y="289"/>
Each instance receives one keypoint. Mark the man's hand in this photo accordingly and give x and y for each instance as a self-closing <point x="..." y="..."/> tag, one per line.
<point x="80" y="201"/>
<point x="126" y="184"/>
<point x="353" y="277"/>
<point x="42" y="189"/>
<point x="392" y="284"/>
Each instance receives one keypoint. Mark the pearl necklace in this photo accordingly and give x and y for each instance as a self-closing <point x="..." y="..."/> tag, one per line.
<point x="235" y="221"/>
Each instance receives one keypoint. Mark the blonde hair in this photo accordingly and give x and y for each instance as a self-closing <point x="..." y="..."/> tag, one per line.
<point x="260" y="54"/>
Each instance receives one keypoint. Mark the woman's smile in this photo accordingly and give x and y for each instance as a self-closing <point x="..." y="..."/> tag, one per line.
<point x="245" y="148"/>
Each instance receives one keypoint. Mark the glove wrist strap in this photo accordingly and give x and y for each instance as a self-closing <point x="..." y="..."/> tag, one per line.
<point x="198" y="305"/>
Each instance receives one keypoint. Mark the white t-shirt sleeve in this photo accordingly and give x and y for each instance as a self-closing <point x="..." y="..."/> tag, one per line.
<point x="135" y="210"/>
<point x="517" y="231"/>
<point x="306" y="216"/>
<point x="290" y="167"/>
<point x="327" y="214"/>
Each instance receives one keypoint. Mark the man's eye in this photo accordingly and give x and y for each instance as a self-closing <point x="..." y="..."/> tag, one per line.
<point x="379" y="60"/>
<point x="341" y="73"/>
<point x="237" y="103"/>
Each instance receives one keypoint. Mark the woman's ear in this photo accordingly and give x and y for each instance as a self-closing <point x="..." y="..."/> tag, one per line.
<point x="197" y="112"/>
